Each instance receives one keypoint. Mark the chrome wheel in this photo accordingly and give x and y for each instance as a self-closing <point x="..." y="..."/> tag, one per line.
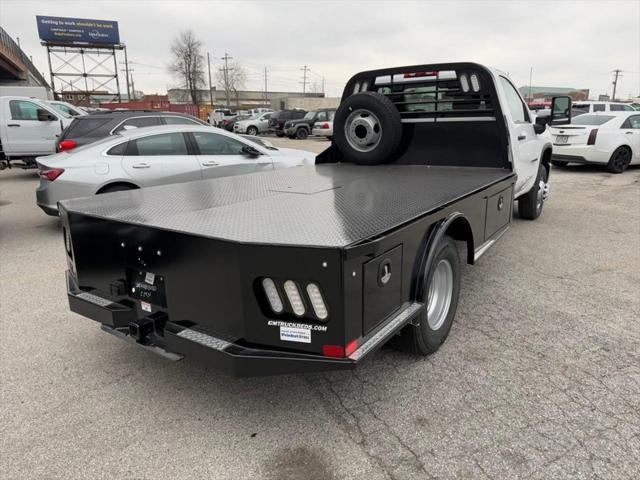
<point x="363" y="130"/>
<point x="440" y="294"/>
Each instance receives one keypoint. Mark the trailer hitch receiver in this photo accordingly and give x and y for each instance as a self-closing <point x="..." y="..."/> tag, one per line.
<point x="140" y="329"/>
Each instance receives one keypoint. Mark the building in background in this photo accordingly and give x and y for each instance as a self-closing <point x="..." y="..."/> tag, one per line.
<point x="16" y="69"/>
<point x="240" y="99"/>
<point x="544" y="94"/>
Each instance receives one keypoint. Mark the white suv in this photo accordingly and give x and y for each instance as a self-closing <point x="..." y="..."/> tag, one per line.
<point x="254" y="125"/>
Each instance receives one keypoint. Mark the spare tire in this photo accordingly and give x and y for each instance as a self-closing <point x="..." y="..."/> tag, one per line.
<point x="367" y="128"/>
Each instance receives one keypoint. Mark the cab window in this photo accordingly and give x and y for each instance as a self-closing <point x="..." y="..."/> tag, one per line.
<point x="154" y="145"/>
<point x="23" y="110"/>
<point x="599" y="107"/>
<point x="514" y="102"/>
<point x="214" y="144"/>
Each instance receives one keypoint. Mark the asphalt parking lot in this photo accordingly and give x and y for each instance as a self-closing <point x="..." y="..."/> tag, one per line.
<point x="539" y="379"/>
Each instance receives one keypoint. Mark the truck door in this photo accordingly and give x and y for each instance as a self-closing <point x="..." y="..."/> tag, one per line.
<point x="223" y="156"/>
<point x="160" y="159"/>
<point x="524" y="141"/>
<point x="26" y="135"/>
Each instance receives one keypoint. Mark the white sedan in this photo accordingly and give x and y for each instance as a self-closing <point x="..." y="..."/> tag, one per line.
<point x="323" y="129"/>
<point x="155" y="156"/>
<point x="611" y="139"/>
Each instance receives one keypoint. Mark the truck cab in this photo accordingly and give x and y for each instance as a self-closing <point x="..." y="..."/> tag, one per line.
<point x="29" y="127"/>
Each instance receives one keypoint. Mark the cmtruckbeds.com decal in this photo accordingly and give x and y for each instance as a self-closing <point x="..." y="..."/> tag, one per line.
<point x="279" y="323"/>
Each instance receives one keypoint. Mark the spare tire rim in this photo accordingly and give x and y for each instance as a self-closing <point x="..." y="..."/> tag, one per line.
<point x="363" y="130"/>
<point x="440" y="294"/>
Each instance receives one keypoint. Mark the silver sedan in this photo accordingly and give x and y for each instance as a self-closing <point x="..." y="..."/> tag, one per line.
<point x="155" y="156"/>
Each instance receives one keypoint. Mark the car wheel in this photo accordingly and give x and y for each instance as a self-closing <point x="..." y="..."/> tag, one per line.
<point x="559" y="163"/>
<point x="531" y="204"/>
<point x="367" y="128"/>
<point x="117" y="187"/>
<point x="302" y="134"/>
<point x="441" y="288"/>
<point x="252" y="131"/>
<point x="619" y="161"/>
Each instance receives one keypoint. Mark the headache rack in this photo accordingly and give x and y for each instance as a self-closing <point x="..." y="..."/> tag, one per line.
<point x="434" y="96"/>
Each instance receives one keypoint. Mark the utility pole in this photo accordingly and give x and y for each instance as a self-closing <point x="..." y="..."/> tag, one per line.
<point x="304" y="70"/>
<point x="133" y="86"/>
<point x="265" y="85"/>
<point x="530" y="76"/>
<point x="616" y="72"/>
<point x="126" y="72"/>
<point x="323" y="85"/>
<point x="226" y="59"/>
<point x="210" y="88"/>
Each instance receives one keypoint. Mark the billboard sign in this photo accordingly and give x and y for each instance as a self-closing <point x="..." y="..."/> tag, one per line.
<point x="77" y="31"/>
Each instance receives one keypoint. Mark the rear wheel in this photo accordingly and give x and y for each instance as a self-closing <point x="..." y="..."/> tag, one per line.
<point x="530" y="205"/>
<point x="619" y="161"/>
<point x="440" y="294"/>
<point x="252" y="131"/>
<point x="302" y="134"/>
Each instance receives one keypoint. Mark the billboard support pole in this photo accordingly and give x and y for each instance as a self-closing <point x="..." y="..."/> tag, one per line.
<point x="115" y="72"/>
<point x="126" y="72"/>
<point x="53" y="87"/>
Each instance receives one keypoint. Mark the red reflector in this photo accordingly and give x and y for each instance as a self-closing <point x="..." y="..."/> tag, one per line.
<point x="592" y="137"/>
<point x="66" y="145"/>
<point x="333" y="351"/>
<point x="325" y="125"/>
<point x="51" y="173"/>
<point x="420" y="74"/>
<point x="351" y="347"/>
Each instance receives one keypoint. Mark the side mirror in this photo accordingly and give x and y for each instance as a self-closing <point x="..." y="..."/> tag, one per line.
<point x="45" y="116"/>
<point x="250" y="151"/>
<point x="560" y="110"/>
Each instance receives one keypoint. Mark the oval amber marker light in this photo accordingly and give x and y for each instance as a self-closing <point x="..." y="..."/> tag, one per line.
<point x="317" y="302"/>
<point x="272" y="295"/>
<point x="291" y="289"/>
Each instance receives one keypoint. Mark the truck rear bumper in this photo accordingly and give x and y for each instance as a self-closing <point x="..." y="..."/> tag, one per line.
<point x="238" y="360"/>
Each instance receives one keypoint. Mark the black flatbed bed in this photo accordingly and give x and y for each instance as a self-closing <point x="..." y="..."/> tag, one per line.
<point x="329" y="205"/>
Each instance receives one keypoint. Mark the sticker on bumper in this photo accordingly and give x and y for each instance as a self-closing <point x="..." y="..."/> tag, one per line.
<point x="290" y="334"/>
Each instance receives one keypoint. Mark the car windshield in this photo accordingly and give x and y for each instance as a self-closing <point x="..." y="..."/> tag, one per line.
<point x="310" y="115"/>
<point x="591" y="119"/>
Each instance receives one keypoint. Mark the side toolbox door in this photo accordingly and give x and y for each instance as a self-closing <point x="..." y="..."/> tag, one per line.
<point x="25" y="133"/>
<point x="524" y="140"/>
<point x="160" y="159"/>
<point x="223" y="156"/>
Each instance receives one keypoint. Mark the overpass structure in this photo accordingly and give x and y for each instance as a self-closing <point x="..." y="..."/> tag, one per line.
<point x="15" y="66"/>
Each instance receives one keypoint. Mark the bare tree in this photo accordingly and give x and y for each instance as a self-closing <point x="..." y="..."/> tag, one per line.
<point x="232" y="78"/>
<point x="187" y="63"/>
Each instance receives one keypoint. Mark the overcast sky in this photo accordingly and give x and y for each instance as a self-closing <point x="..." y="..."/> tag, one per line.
<point x="568" y="44"/>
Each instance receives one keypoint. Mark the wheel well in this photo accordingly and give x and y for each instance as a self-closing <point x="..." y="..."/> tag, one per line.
<point x="118" y="184"/>
<point x="460" y="230"/>
<point x="304" y="125"/>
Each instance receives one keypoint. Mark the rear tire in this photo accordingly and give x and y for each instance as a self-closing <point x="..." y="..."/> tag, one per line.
<point x="116" y="187"/>
<point x="367" y="128"/>
<point x="559" y="163"/>
<point x="440" y="292"/>
<point x="530" y="205"/>
<point x="619" y="161"/>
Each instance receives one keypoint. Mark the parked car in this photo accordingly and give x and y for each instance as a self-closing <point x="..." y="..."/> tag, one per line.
<point x="254" y="125"/>
<point x="278" y="119"/>
<point x="155" y="156"/>
<point x="29" y="128"/>
<point x="324" y="129"/>
<point x="87" y="129"/>
<point x="217" y="116"/>
<point x="603" y="138"/>
<point x="301" y="128"/>
<point x="592" y="106"/>
<point x="67" y="108"/>
<point x="230" y="122"/>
